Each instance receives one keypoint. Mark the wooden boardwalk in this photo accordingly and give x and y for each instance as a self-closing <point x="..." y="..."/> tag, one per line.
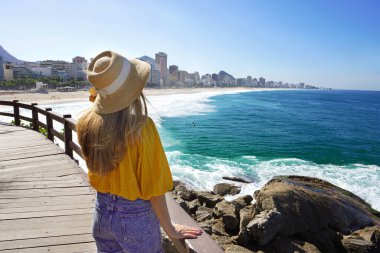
<point x="46" y="204"/>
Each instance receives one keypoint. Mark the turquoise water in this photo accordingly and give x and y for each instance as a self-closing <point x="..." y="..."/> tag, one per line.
<point x="334" y="135"/>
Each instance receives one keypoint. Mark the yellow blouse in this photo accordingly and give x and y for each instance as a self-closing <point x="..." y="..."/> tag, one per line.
<point x="143" y="173"/>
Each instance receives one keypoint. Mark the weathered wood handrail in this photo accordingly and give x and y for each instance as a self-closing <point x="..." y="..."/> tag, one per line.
<point x="69" y="124"/>
<point x="204" y="243"/>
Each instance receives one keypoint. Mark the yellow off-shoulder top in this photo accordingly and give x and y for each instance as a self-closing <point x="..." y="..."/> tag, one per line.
<point x="143" y="173"/>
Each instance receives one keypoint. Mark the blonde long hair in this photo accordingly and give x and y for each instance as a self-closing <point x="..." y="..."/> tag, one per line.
<point x="104" y="138"/>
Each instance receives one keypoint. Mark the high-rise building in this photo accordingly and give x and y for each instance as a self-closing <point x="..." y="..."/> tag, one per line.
<point x="1" y="69"/>
<point x="154" y="75"/>
<point x="262" y="82"/>
<point x="182" y="76"/>
<point x="162" y="59"/>
<point x="79" y="60"/>
<point x="249" y="80"/>
<point x="173" y="69"/>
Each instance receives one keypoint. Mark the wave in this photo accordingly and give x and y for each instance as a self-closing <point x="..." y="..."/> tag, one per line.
<point x="202" y="173"/>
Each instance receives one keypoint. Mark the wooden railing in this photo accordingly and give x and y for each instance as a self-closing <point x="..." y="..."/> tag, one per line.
<point x="69" y="124"/>
<point x="203" y="244"/>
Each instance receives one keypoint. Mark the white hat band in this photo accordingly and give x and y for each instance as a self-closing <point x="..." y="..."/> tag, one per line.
<point x="119" y="81"/>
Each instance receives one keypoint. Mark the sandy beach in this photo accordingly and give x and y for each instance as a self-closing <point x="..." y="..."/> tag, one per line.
<point x="59" y="97"/>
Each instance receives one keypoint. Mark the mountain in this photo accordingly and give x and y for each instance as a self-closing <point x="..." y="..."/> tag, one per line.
<point x="7" y="57"/>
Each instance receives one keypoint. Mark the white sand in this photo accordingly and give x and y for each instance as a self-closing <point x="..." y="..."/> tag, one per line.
<point x="60" y="97"/>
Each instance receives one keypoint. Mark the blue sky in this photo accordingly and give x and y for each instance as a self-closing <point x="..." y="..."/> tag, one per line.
<point x="326" y="43"/>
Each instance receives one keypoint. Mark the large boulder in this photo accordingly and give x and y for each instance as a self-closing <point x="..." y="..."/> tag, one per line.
<point x="265" y="226"/>
<point x="227" y="212"/>
<point x="218" y="228"/>
<point x="289" y="245"/>
<point x="184" y="192"/>
<point x="224" y="189"/>
<point x="309" y="208"/>
<point x="242" y="201"/>
<point x="363" y="240"/>
<point x="246" y="215"/>
<point x="209" y="199"/>
<point x="203" y="214"/>
<point x="237" y="249"/>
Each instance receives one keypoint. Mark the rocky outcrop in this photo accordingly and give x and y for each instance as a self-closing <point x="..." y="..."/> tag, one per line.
<point x="209" y="199"/>
<point x="291" y="214"/>
<point x="237" y="179"/>
<point x="363" y="240"/>
<point x="224" y="189"/>
<point x="312" y="209"/>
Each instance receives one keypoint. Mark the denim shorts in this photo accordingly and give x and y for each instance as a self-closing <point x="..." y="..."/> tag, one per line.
<point x="122" y="225"/>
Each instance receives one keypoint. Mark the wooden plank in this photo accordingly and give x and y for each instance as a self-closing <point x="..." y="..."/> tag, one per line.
<point x="41" y="208"/>
<point x="78" y="247"/>
<point x="4" y="185"/>
<point x="22" y="153"/>
<point x="37" y="232"/>
<point x="6" y="130"/>
<point x="44" y="213"/>
<point x="64" y="221"/>
<point x="47" y="201"/>
<point x="46" y="241"/>
<point x="32" y="193"/>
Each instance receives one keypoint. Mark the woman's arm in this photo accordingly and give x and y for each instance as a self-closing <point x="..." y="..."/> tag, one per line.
<point x="172" y="230"/>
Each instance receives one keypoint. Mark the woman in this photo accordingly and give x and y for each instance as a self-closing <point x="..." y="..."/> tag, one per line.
<point x="126" y="161"/>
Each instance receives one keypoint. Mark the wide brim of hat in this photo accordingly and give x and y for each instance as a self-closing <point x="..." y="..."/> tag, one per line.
<point x="128" y="92"/>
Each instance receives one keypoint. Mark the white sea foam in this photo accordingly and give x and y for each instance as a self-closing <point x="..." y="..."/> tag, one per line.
<point x="204" y="172"/>
<point x="362" y="180"/>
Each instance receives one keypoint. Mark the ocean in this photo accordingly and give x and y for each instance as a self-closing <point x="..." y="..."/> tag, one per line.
<point x="332" y="135"/>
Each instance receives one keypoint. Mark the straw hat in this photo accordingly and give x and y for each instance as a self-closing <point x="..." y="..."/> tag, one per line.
<point x="117" y="81"/>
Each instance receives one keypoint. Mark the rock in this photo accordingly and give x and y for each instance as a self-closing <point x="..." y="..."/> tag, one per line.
<point x="209" y="199"/>
<point x="193" y="205"/>
<point x="223" y="241"/>
<point x="354" y="245"/>
<point x="289" y="245"/>
<point x="246" y="215"/>
<point x="224" y="189"/>
<point x="167" y="244"/>
<point x="237" y="179"/>
<point x="183" y="204"/>
<point x="309" y="208"/>
<point x="182" y="191"/>
<point x="206" y="226"/>
<point x="218" y="228"/>
<point x="363" y="240"/>
<point x="227" y="212"/>
<point x="203" y="213"/>
<point x="265" y="226"/>
<point x="236" y="249"/>
<point x="242" y="201"/>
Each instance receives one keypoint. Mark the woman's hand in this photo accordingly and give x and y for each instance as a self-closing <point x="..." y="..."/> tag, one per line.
<point x="172" y="230"/>
<point x="184" y="232"/>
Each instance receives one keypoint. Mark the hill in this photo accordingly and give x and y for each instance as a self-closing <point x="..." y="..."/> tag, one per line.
<point x="7" y="57"/>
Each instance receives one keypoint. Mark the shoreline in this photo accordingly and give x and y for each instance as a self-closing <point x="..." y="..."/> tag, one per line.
<point x="77" y="96"/>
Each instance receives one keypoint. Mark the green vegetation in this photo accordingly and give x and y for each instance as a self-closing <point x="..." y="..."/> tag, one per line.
<point x="30" y="83"/>
<point x="30" y="125"/>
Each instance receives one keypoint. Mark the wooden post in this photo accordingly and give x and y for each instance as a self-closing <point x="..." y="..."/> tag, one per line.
<point x="49" y="124"/>
<point x="16" y="112"/>
<point x="35" y="117"/>
<point x="68" y="137"/>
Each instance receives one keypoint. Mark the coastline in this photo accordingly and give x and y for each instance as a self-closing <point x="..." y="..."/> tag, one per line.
<point x="76" y="96"/>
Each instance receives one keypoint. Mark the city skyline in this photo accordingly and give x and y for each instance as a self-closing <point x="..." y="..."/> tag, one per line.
<point x="324" y="43"/>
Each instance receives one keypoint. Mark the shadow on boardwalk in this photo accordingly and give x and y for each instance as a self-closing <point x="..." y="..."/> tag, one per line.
<point x="46" y="203"/>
